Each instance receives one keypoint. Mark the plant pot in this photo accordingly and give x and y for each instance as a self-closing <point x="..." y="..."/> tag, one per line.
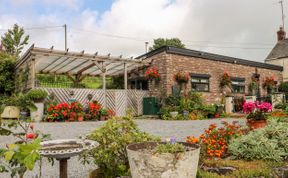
<point x="103" y="118"/>
<point x="174" y="114"/>
<point x="80" y="119"/>
<point x="37" y="115"/>
<point x="216" y="115"/>
<point x="144" y="164"/>
<point x="256" y="124"/>
<point x="185" y="113"/>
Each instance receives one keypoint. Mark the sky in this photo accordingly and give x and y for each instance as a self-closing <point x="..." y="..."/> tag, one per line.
<point x="238" y="28"/>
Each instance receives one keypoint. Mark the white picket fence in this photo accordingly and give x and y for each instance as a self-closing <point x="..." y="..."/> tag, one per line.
<point x="117" y="100"/>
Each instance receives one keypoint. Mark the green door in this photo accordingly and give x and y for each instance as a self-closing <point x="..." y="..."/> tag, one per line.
<point x="150" y="106"/>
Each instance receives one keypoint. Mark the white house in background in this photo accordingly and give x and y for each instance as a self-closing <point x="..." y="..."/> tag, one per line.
<point x="279" y="54"/>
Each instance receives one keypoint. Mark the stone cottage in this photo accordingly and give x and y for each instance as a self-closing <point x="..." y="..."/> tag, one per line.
<point x="279" y="54"/>
<point x="205" y="71"/>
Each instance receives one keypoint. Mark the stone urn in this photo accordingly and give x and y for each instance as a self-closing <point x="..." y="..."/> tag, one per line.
<point x="174" y="114"/>
<point x="146" y="164"/>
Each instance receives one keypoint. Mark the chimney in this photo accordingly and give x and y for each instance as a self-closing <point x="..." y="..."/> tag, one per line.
<point x="281" y="34"/>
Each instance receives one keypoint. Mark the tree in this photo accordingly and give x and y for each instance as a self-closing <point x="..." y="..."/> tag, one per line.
<point x="14" y="40"/>
<point x="7" y="74"/>
<point x="159" y="42"/>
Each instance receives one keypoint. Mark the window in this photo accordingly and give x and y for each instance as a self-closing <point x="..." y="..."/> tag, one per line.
<point x="200" y="82"/>
<point x="238" y="84"/>
<point x="139" y="84"/>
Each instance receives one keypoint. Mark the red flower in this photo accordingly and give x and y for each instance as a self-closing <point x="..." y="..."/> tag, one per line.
<point x="31" y="135"/>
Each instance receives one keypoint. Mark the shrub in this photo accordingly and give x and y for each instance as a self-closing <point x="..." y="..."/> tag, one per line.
<point x="37" y="95"/>
<point x="113" y="137"/>
<point x="215" y="140"/>
<point x="7" y="74"/>
<point x="283" y="87"/>
<point x="269" y="143"/>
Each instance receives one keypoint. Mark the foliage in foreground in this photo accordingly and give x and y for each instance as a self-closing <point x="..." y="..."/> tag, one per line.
<point x="113" y="137"/>
<point x="21" y="156"/>
<point x="269" y="143"/>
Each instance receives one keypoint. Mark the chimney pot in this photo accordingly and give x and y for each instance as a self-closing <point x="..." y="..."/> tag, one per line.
<point x="281" y="34"/>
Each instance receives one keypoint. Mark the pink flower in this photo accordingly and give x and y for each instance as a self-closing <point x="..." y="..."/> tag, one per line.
<point x="249" y="107"/>
<point x="264" y="107"/>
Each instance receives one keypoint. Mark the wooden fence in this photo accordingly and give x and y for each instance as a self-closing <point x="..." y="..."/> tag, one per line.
<point x="117" y="100"/>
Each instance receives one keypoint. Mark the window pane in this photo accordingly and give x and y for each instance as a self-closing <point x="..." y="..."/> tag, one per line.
<point x="204" y="80"/>
<point x="238" y="89"/>
<point x="195" y="80"/>
<point x="200" y="87"/>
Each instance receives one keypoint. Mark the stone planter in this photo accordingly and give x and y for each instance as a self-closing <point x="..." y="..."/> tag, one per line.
<point x="174" y="114"/>
<point x="38" y="114"/>
<point x="144" y="164"/>
<point x="256" y="124"/>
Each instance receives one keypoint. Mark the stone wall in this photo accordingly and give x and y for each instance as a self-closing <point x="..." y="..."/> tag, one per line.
<point x="169" y="64"/>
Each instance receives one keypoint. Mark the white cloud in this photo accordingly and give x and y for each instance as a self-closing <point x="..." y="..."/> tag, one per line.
<point x="222" y="23"/>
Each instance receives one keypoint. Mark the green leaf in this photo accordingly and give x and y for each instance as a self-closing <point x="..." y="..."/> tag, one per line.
<point x="30" y="160"/>
<point x="9" y="155"/>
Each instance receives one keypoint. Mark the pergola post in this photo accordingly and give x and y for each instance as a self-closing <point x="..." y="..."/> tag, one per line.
<point x="125" y="77"/>
<point x="33" y="76"/>
<point x="104" y="82"/>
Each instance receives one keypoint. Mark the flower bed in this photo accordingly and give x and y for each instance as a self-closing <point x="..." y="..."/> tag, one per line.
<point x="76" y="112"/>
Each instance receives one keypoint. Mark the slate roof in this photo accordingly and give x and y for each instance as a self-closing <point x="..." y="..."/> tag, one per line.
<point x="280" y="50"/>
<point x="209" y="56"/>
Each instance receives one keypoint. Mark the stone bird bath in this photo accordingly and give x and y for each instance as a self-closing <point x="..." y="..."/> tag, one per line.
<point x="62" y="150"/>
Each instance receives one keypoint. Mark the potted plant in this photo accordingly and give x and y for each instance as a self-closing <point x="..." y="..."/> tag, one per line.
<point x="152" y="75"/>
<point x="104" y="114"/>
<point x="173" y="113"/>
<point x="80" y="118"/>
<point x="163" y="159"/>
<point x="252" y="87"/>
<point x="269" y="84"/>
<point x="225" y="82"/>
<point x="257" y="114"/>
<point x="181" y="77"/>
<point x="38" y="97"/>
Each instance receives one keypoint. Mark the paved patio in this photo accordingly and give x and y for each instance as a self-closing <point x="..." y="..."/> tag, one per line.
<point x="178" y="129"/>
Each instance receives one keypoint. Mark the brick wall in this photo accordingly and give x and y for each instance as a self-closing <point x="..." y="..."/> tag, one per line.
<point x="169" y="64"/>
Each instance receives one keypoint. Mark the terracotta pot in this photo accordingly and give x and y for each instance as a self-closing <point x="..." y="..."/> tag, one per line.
<point x="256" y="124"/>
<point x="103" y="118"/>
<point x="80" y="119"/>
<point x="216" y="115"/>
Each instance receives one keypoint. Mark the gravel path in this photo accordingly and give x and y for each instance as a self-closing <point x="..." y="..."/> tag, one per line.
<point x="178" y="129"/>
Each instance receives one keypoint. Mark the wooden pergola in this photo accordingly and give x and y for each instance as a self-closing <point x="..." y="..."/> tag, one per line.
<point x="76" y="65"/>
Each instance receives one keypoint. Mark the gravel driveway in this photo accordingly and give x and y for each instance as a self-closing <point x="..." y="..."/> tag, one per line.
<point x="178" y="129"/>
